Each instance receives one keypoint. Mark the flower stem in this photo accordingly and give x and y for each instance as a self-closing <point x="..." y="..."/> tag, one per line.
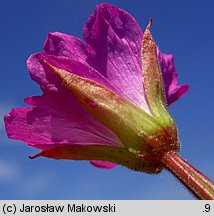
<point x="198" y="184"/>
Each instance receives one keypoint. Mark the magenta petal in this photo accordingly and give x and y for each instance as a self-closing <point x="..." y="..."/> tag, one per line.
<point x="45" y="129"/>
<point x="115" y="37"/>
<point x="59" y="44"/>
<point x="172" y="89"/>
<point x="103" y="164"/>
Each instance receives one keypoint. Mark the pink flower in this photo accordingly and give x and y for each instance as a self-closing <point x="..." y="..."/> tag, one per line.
<point x="97" y="101"/>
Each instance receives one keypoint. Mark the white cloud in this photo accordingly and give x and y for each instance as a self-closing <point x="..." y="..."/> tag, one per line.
<point x="4" y="109"/>
<point x="24" y="183"/>
<point x="35" y="184"/>
<point x="8" y="171"/>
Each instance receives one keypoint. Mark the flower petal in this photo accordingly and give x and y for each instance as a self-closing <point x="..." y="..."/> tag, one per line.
<point x="59" y="44"/>
<point x="103" y="164"/>
<point x="172" y="89"/>
<point x="111" y="154"/>
<point x="115" y="37"/>
<point x="45" y="129"/>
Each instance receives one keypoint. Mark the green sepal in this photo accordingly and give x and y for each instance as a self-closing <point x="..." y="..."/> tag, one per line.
<point x="128" y="121"/>
<point x="118" y="155"/>
<point x="153" y="81"/>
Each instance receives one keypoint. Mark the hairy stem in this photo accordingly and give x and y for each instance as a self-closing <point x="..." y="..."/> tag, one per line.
<point x="198" y="184"/>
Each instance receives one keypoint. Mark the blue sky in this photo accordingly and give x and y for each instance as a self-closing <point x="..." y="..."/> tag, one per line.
<point x="183" y="28"/>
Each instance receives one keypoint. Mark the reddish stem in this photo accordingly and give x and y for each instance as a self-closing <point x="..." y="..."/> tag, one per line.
<point x="196" y="182"/>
